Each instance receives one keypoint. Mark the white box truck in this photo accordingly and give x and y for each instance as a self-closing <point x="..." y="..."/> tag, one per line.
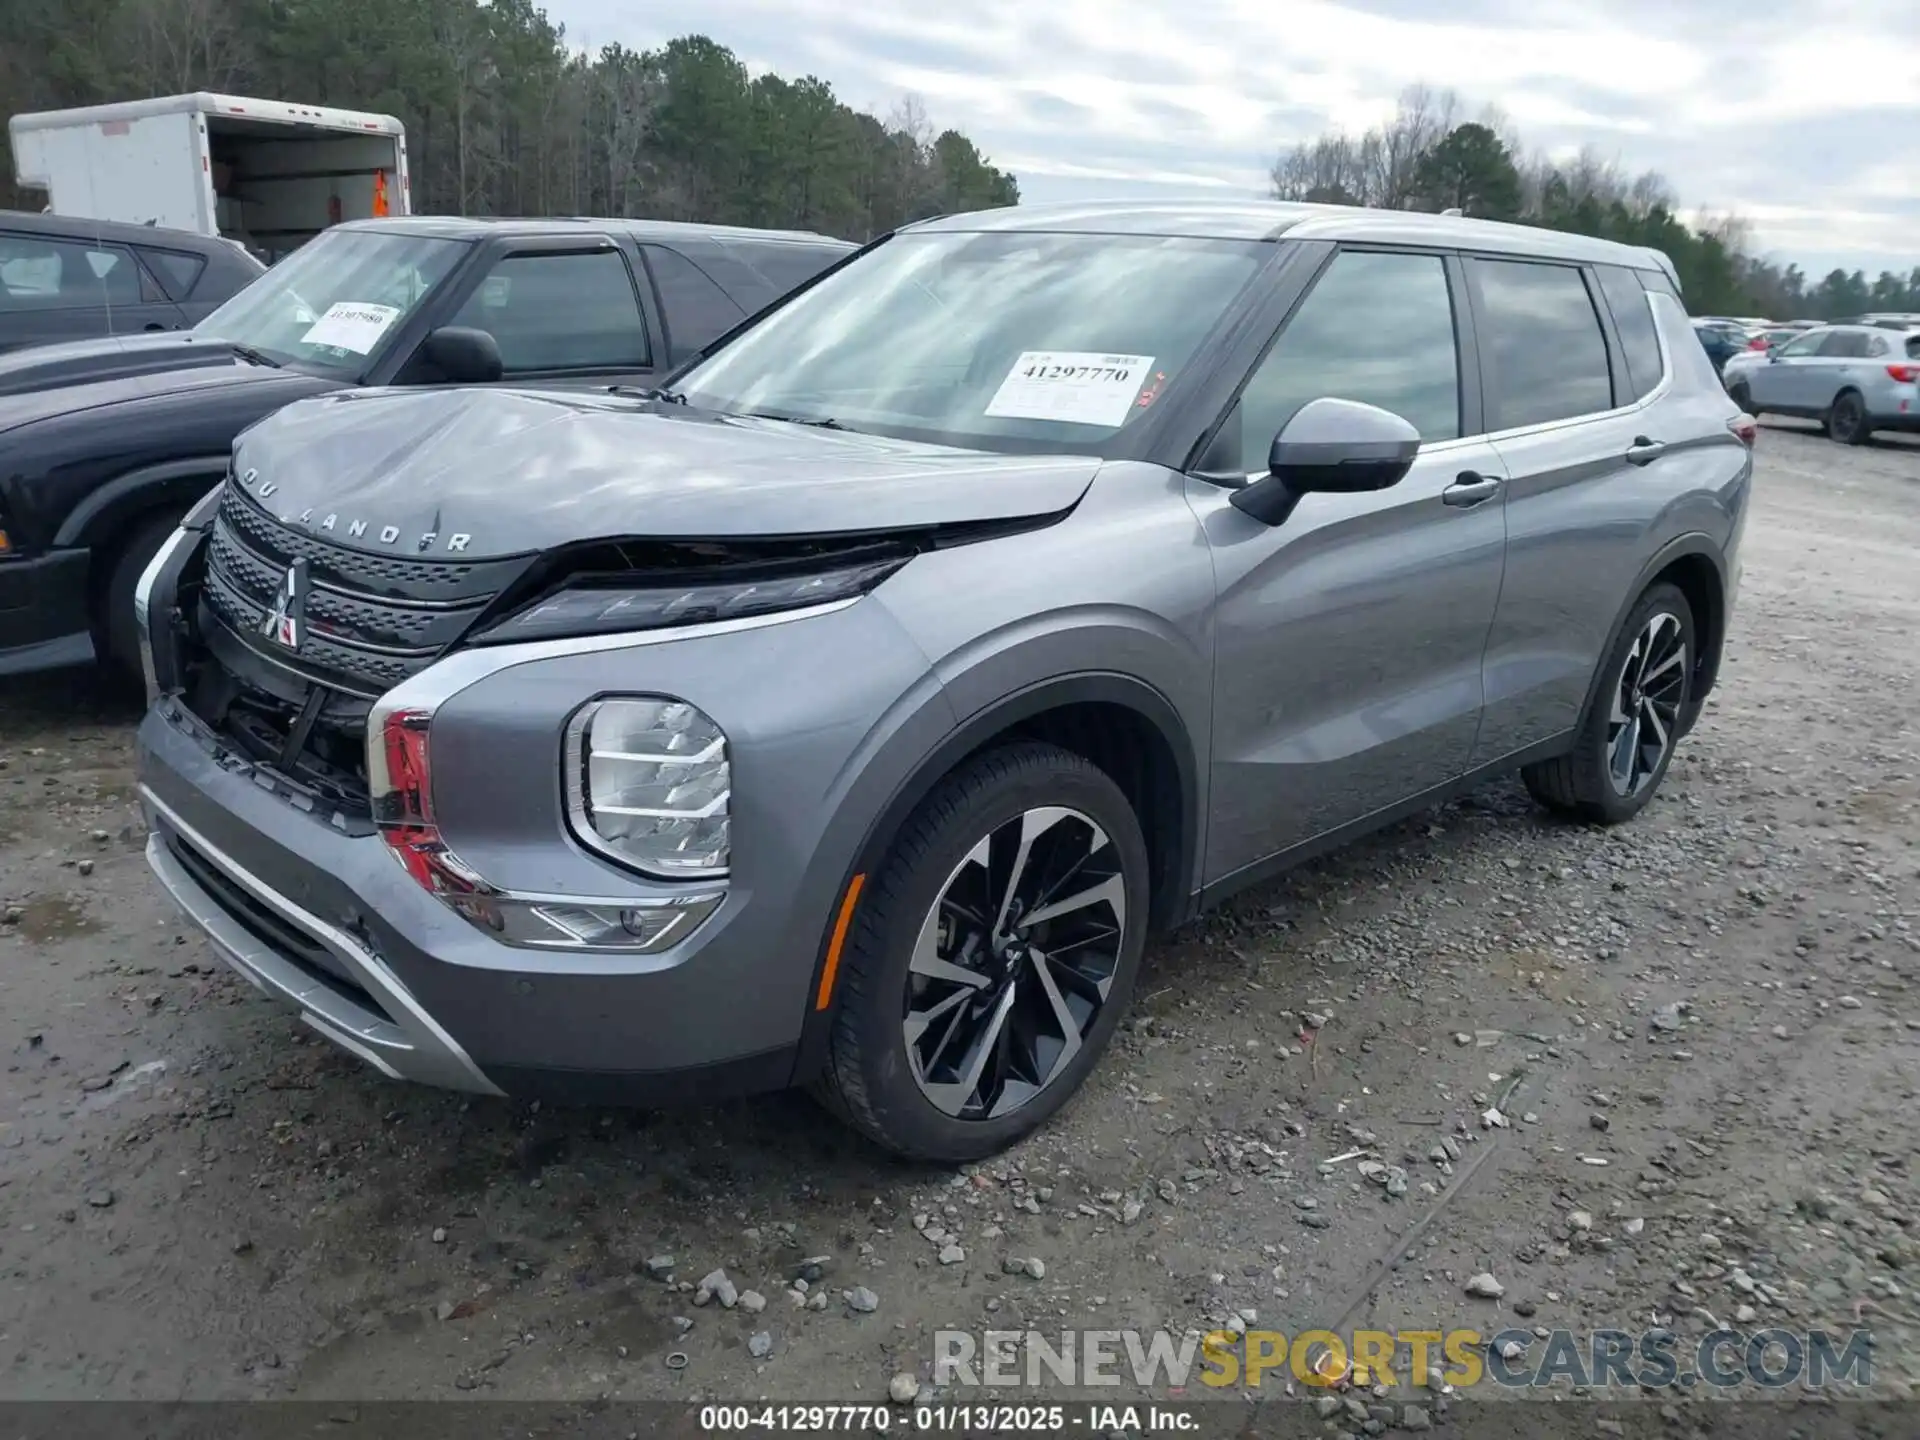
<point x="266" y="173"/>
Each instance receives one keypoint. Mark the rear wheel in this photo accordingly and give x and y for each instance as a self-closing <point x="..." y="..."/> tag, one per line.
<point x="1742" y="396"/>
<point x="1847" y="419"/>
<point x="118" y="627"/>
<point x="1626" y="742"/>
<point x="991" y="957"/>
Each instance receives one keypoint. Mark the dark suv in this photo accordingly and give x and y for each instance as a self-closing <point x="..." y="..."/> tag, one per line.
<point x="849" y="711"/>
<point x="67" y="279"/>
<point x="108" y="442"/>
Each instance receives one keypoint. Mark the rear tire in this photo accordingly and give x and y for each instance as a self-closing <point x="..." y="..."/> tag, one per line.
<point x="967" y="1017"/>
<point x="1847" y="419"/>
<point x="1645" y="692"/>
<point x="119" y="629"/>
<point x="1743" y="397"/>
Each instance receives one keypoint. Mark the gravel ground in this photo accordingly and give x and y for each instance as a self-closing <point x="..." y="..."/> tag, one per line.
<point x="198" y="1198"/>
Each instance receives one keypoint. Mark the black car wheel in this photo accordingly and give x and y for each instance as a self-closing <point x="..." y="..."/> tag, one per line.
<point x="991" y="957"/>
<point x="1627" y="739"/>
<point x="118" y="627"/>
<point x="1847" y="419"/>
<point x="1742" y="396"/>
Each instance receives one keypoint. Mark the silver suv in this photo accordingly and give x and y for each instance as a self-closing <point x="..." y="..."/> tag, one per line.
<point x="1854" y="379"/>
<point x="849" y="712"/>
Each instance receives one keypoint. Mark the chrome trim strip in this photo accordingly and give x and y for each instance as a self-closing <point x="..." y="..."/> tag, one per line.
<point x="416" y="1049"/>
<point x="143" y="606"/>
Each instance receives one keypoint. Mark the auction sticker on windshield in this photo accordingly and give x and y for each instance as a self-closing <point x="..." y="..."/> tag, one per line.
<point x="1081" y="387"/>
<point x="351" y="325"/>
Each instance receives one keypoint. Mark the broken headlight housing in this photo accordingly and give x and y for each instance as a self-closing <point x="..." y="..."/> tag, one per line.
<point x="649" y="785"/>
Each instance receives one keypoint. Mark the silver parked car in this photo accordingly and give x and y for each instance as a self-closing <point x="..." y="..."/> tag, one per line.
<point x="851" y="710"/>
<point x="1854" y="379"/>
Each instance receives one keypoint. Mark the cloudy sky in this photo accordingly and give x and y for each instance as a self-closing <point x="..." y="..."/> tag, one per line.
<point x="1803" y="117"/>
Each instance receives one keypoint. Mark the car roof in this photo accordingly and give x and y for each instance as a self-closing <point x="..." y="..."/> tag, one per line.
<point x="1272" y="219"/>
<point x="75" y="227"/>
<point x="464" y="227"/>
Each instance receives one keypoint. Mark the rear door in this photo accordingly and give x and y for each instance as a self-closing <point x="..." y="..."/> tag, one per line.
<point x="55" y="288"/>
<point x="567" y="311"/>
<point x="1842" y="363"/>
<point x="1570" y="409"/>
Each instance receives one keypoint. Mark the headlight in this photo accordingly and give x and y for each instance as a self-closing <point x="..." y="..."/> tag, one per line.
<point x="601" y="610"/>
<point x="648" y="784"/>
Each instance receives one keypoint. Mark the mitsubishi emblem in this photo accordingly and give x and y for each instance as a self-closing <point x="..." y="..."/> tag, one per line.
<point x="287" y="616"/>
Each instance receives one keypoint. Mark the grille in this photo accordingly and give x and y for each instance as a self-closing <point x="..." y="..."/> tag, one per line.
<point x="372" y="621"/>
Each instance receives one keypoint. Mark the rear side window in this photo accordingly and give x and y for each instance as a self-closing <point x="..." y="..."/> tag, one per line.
<point x="1633" y="319"/>
<point x="1843" y="345"/>
<point x="789" y="266"/>
<point x="572" y="311"/>
<point x="179" y="272"/>
<point x="1377" y="328"/>
<point x="698" y="310"/>
<point x="1542" y="339"/>
<point x="44" y="274"/>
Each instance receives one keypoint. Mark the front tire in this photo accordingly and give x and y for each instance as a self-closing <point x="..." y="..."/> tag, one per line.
<point x="991" y="957"/>
<point x="1626" y="741"/>
<point x="118" y="626"/>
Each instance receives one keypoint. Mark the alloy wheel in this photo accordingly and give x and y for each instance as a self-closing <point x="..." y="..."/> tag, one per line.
<point x="1646" y="704"/>
<point x="1014" y="962"/>
<point x="1845" y="419"/>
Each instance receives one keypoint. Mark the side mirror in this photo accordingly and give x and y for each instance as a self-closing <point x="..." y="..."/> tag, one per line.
<point x="1337" y="447"/>
<point x="464" y="355"/>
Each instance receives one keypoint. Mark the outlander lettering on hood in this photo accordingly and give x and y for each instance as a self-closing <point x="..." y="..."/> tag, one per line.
<point x="353" y="528"/>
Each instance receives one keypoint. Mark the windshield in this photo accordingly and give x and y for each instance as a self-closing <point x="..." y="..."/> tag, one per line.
<point x="332" y="303"/>
<point x="997" y="341"/>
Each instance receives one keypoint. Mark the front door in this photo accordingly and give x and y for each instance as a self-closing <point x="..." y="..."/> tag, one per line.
<point x="1784" y="381"/>
<point x="1348" y="639"/>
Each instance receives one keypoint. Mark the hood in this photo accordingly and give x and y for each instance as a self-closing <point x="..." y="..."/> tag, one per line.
<point x="52" y="380"/>
<point x="88" y="361"/>
<point x="502" y="472"/>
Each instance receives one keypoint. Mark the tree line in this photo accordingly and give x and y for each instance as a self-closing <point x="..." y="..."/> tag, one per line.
<point x="504" y="117"/>
<point x="1431" y="156"/>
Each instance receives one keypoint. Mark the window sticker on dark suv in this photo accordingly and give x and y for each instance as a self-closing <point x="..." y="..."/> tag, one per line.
<point x="1548" y="354"/>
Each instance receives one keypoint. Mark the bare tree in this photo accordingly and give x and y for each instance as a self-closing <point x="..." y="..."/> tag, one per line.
<point x="188" y="45"/>
<point x="1421" y="120"/>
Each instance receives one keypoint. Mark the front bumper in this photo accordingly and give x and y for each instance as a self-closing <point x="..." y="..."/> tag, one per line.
<point x="43" y="612"/>
<point x="329" y="921"/>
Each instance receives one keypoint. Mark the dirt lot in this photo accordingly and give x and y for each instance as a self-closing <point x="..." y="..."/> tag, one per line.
<point x="198" y="1198"/>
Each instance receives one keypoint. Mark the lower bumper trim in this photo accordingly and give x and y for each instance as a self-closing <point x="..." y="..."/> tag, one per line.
<point x="404" y="1043"/>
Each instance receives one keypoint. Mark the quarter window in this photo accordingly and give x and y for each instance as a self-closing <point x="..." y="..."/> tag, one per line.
<point x="1543" y="342"/>
<point x="575" y="311"/>
<point x="1633" y="319"/>
<point x="1377" y="328"/>
<point x="697" y="310"/>
<point x="180" y="271"/>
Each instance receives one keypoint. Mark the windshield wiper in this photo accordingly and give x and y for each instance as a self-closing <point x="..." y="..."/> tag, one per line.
<point x="247" y="352"/>
<point x="636" y="392"/>
<point x="825" y="422"/>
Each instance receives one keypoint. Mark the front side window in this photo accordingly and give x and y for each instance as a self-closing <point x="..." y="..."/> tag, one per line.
<point x="1808" y="344"/>
<point x="1377" y="328"/>
<point x="1548" y="355"/>
<point x="1633" y="320"/>
<point x="576" y="310"/>
<point x="44" y="274"/>
<point x="333" y="306"/>
<point x="1007" y="340"/>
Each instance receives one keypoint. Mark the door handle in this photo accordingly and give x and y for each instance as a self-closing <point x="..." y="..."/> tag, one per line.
<point x="1471" y="488"/>
<point x="1644" y="451"/>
